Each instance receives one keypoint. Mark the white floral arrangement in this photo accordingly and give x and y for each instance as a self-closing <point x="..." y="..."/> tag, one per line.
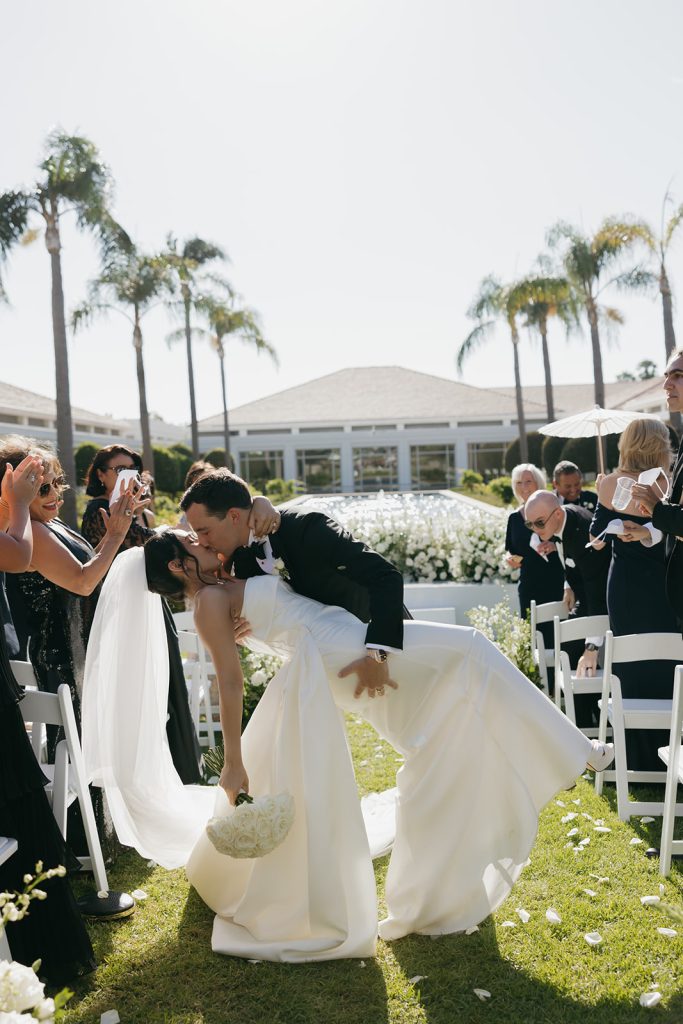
<point x="22" y="994"/>
<point x="431" y="540"/>
<point x="255" y="828"/>
<point x="510" y="634"/>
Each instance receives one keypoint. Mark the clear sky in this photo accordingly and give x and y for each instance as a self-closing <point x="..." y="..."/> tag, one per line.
<point x="364" y="162"/>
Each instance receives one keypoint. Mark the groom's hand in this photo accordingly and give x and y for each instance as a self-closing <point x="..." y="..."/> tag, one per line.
<point x="373" y="676"/>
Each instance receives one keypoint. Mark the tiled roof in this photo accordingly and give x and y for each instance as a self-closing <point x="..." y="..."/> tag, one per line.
<point x="19" y="400"/>
<point x="390" y="394"/>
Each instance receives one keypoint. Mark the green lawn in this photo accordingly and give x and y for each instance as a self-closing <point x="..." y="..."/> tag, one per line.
<point x="158" y="966"/>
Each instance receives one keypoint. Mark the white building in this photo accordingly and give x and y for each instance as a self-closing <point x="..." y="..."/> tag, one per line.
<point x="25" y="412"/>
<point x="388" y="427"/>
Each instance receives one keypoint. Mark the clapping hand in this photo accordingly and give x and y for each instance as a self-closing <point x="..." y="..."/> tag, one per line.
<point x="21" y="485"/>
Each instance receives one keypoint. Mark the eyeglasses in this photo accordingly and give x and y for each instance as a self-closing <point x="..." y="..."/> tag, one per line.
<point x="118" y="469"/>
<point x="56" y="485"/>
<point x="539" y="524"/>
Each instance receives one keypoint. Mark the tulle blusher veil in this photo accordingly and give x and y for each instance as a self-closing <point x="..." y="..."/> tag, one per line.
<point x="124" y="710"/>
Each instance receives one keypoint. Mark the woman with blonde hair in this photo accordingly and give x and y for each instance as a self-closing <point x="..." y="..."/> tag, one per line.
<point x="636" y="599"/>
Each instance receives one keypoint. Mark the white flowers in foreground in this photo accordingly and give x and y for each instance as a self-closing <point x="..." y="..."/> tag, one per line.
<point x="255" y="827"/>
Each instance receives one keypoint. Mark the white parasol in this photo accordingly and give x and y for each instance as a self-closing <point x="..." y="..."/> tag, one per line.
<point x="595" y="422"/>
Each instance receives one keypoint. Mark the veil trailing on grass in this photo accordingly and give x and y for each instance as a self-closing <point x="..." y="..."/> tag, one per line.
<point x="124" y="712"/>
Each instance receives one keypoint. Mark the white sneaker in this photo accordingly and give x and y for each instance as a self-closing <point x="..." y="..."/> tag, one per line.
<point x="601" y="757"/>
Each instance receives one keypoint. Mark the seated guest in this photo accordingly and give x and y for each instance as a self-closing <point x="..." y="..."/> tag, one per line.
<point x="568" y="486"/>
<point x="53" y="932"/>
<point x="541" y="576"/>
<point x="636" y="590"/>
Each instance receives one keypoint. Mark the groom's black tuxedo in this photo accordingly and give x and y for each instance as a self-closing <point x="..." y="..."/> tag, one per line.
<point x="327" y="563"/>
<point x="668" y="517"/>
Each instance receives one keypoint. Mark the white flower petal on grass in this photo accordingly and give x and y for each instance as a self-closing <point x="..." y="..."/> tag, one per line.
<point x="588" y="818"/>
<point x="482" y="993"/>
<point x="649" y="999"/>
<point x="573" y="832"/>
<point x="586" y="776"/>
<point x="560" y="803"/>
<point x="472" y="930"/>
<point x="661" y="889"/>
<point x="254" y="961"/>
<point x="669" y="933"/>
<point x="139" y="894"/>
<point x="509" y="924"/>
<point x="602" y="828"/>
<point x="362" y="963"/>
<point x="568" y="817"/>
<point x="590" y="892"/>
<point x="584" y="842"/>
<point x="522" y="914"/>
<point x="600" y="878"/>
<point x="635" y="841"/>
<point x="593" y="938"/>
<point x="416" y="978"/>
<point x="649" y="901"/>
<point x="646" y="820"/>
<point x="110" y="1017"/>
<point x="599" y="821"/>
<point x="552" y="916"/>
<point x="577" y="801"/>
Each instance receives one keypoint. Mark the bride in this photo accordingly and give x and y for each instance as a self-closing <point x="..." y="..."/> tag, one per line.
<point x="484" y="750"/>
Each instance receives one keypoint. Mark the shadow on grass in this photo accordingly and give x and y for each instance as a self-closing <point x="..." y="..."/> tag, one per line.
<point x="181" y="980"/>
<point x="454" y="965"/>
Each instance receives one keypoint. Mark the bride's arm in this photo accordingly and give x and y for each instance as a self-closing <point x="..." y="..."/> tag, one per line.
<point x="213" y="616"/>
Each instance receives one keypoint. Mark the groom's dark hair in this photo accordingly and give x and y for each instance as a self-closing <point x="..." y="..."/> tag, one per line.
<point x="218" y="492"/>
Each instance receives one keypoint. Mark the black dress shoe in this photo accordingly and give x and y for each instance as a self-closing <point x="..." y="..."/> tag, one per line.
<point x="106" y="908"/>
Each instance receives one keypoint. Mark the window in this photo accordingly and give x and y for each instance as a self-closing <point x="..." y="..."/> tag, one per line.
<point x="319" y="469"/>
<point x="372" y="427"/>
<point x="258" y="467"/>
<point x="100" y="430"/>
<point x="427" y="426"/>
<point x="35" y="421"/>
<point x="375" y="469"/>
<point x="274" y="430"/>
<point x="320" y="430"/>
<point x="432" y="466"/>
<point x="82" y="427"/>
<point x="480" y="423"/>
<point x="487" y="458"/>
<point x="7" y="418"/>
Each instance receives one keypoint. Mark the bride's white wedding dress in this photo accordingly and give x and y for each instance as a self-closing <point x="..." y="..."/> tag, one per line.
<point x="484" y="751"/>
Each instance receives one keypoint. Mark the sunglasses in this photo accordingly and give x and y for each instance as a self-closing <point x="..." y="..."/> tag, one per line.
<point x="118" y="469"/>
<point x="56" y="485"/>
<point x="538" y="524"/>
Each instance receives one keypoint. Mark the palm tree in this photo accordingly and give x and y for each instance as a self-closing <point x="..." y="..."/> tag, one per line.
<point x="588" y="263"/>
<point x="130" y="284"/>
<point x="658" y="247"/>
<point x="227" y="319"/>
<point x="495" y="302"/>
<point x="72" y="179"/>
<point x="547" y="296"/>
<point x="186" y="262"/>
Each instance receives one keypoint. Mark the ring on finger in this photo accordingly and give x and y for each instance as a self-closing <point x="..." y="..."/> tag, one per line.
<point x="128" y="512"/>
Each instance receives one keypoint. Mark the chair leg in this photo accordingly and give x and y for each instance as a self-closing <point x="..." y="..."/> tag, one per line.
<point x="620" y="765"/>
<point x="60" y="786"/>
<point x="666" y="840"/>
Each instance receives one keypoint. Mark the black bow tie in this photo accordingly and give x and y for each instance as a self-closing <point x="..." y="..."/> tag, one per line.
<point x="556" y="539"/>
<point x="257" y="547"/>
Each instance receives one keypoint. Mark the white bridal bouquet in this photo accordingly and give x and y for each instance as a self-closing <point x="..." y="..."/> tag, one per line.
<point x="255" y="827"/>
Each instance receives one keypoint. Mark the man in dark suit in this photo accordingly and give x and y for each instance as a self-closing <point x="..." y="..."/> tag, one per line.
<point x="322" y="561"/>
<point x="566" y="529"/>
<point x="568" y="486"/>
<point x="667" y="514"/>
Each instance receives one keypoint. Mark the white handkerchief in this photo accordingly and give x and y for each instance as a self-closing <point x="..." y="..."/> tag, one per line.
<point x="614" y="526"/>
<point x="534" y="543"/>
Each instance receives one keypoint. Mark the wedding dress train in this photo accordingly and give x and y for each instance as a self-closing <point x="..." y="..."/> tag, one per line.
<point x="484" y="751"/>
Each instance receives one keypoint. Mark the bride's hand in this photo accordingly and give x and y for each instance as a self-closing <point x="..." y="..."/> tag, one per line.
<point x="263" y="518"/>
<point x="233" y="780"/>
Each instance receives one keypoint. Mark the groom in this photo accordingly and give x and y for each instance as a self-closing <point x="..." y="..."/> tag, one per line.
<point x="323" y="561"/>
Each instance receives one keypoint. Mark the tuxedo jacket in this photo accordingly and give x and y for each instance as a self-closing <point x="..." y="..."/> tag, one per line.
<point x="325" y="562"/>
<point x="588" y="575"/>
<point x="586" y="499"/>
<point x="668" y="517"/>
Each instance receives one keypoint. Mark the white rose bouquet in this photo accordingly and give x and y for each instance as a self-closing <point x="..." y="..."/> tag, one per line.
<point x="255" y="827"/>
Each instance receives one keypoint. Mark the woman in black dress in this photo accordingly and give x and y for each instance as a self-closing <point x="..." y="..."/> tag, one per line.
<point x="540" y="579"/>
<point x="100" y="481"/>
<point x="53" y="931"/>
<point x="636" y="598"/>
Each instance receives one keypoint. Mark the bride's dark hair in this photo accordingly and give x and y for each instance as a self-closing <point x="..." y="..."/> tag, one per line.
<point x="162" y="548"/>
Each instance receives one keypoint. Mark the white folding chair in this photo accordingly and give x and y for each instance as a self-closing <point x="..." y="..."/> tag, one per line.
<point x="672" y="756"/>
<point x="634" y="712"/>
<point x="198" y="671"/>
<point x="567" y="684"/>
<point x="67" y="778"/>
<point x="7" y="848"/>
<point x="544" y="657"/>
